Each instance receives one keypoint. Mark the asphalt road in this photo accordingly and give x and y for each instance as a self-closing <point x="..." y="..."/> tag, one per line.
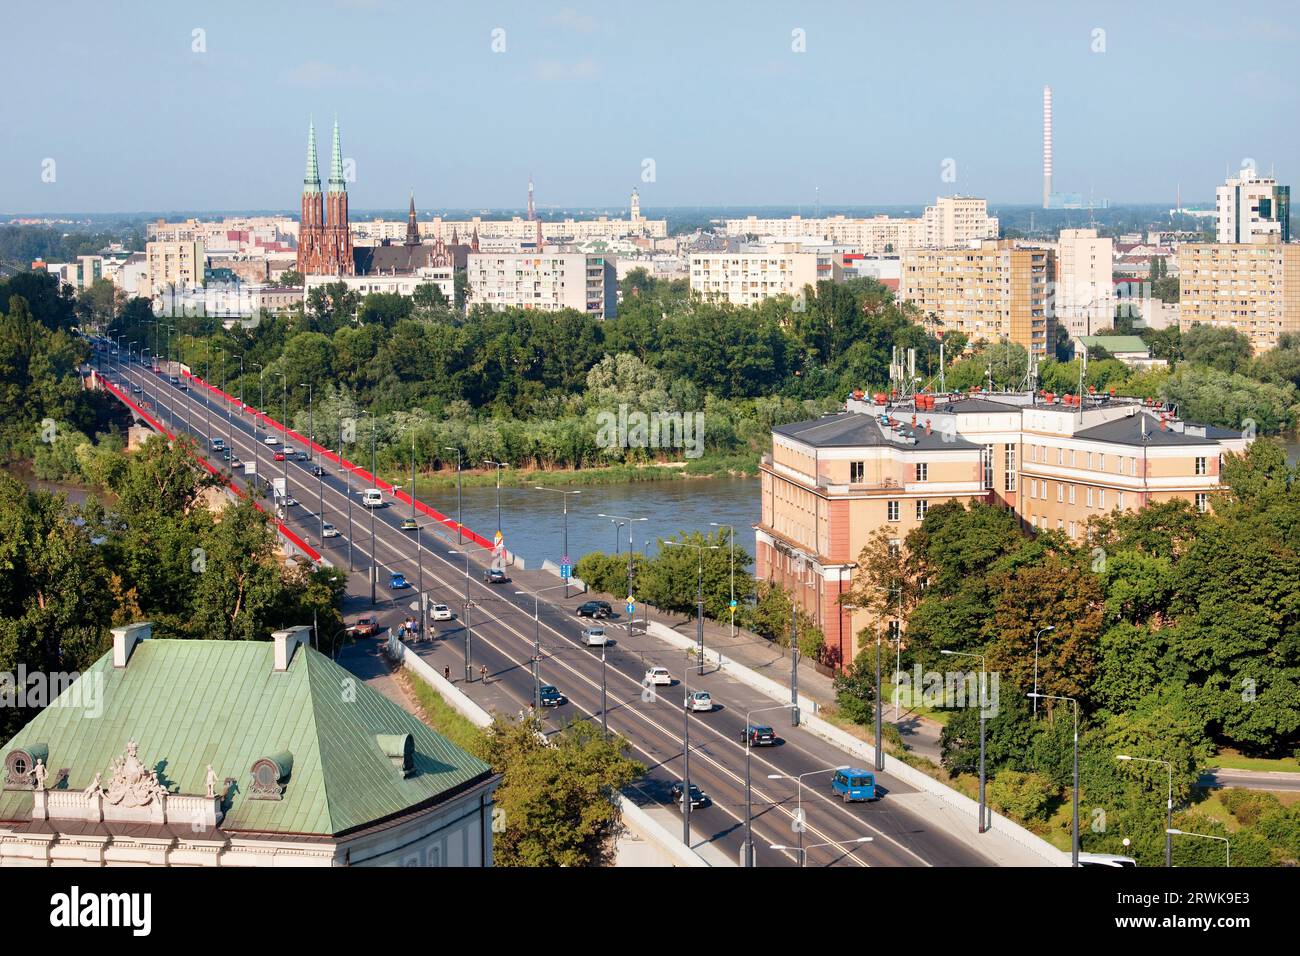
<point x="501" y="636"/>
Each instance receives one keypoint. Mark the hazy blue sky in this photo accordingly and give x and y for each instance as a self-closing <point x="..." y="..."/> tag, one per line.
<point x="711" y="91"/>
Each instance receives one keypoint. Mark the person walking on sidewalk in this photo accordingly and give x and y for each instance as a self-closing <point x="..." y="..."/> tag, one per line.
<point x="482" y="673"/>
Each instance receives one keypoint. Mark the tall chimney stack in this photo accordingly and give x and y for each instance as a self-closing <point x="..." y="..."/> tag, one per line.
<point x="1047" y="144"/>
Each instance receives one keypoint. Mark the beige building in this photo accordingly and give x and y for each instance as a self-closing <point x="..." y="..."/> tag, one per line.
<point x="958" y="220"/>
<point x="951" y="220"/>
<point x="1251" y="287"/>
<point x="544" y="280"/>
<point x="991" y="292"/>
<point x="830" y="483"/>
<point x="1084" y="302"/>
<point x="178" y="265"/>
<point x="1252" y="208"/>
<point x="747" y="278"/>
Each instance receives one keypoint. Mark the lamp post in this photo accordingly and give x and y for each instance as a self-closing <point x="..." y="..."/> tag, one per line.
<point x="747" y="849"/>
<point x="374" y="477"/>
<point x="241" y="409"/>
<point x="800" y="823"/>
<point x="617" y="525"/>
<point x="1038" y="634"/>
<point x="699" y="595"/>
<point x="498" y="465"/>
<point x="145" y="389"/>
<point x="537" y="648"/>
<point x="460" y="527"/>
<point x="469" y="674"/>
<point x="1074" y="817"/>
<point x="320" y="478"/>
<point x="284" y="418"/>
<point x="803" y="855"/>
<point x="880" y="692"/>
<point x="686" y="756"/>
<point x="1205" y="836"/>
<point x="1169" y="802"/>
<point x="257" y="449"/>
<point x="983" y="704"/>
<point x="628" y="521"/>
<point x="565" y="559"/>
<point x="347" y="481"/>
<point x="731" y="547"/>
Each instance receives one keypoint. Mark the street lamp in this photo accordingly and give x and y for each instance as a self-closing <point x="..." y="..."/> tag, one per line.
<point x="1169" y="803"/>
<point x="1037" y="634"/>
<point x="537" y="651"/>
<point x="257" y="451"/>
<point x="374" y="477"/>
<point x="498" y="465"/>
<point x="627" y="521"/>
<point x="1205" y="836"/>
<point x="732" y="554"/>
<point x="1074" y="817"/>
<point x="803" y="855"/>
<point x="800" y="824"/>
<point x="699" y="595"/>
<point x="460" y="527"/>
<point x="565" y="559"/>
<point x="983" y="704"/>
<point x="320" y="478"/>
<point x="880" y="692"/>
<point x="747" y="850"/>
<point x="469" y="674"/>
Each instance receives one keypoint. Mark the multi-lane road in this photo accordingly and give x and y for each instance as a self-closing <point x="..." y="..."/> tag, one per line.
<point x="501" y="637"/>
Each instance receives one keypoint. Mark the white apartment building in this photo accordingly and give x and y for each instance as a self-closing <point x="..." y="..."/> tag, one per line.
<point x="1085" y="292"/>
<point x="400" y="284"/>
<point x="958" y="221"/>
<point x="1251" y="208"/>
<point x="178" y="265"/>
<point x="545" y="280"/>
<point x="747" y="278"/>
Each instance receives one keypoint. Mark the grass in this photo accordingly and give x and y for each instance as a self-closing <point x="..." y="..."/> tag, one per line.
<point x="706" y="467"/>
<point x="444" y="718"/>
<point x="1231" y="760"/>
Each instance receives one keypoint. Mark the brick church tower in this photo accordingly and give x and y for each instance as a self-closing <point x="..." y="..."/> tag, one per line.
<point x="324" y="238"/>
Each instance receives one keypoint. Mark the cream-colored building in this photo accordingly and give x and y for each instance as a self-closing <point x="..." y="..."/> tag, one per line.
<point x="995" y="291"/>
<point x="546" y="280"/>
<point x="1085" y="290"/>
<point x="1252" y="208"/>
<point x="958" y="220"/>
<point x="747" y="278"/>
<point x="176" y="264"/>
<point x="830" y="484"/>
<point x="1251" y="287"/>
<point x="951" y="220"/>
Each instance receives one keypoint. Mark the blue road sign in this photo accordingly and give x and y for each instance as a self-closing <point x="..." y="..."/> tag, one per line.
<point x="631" y="608"/>
<point x="564" y="571"/>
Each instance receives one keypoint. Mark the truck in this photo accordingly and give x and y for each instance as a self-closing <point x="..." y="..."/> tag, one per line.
<point x="277" y="486"/>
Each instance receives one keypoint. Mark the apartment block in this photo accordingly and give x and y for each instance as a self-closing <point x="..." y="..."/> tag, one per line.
<point x="829" y="484"/>
<point x="177" y="264"/>
<point x="1252" y="208"/>
<point x="1084" y="300"/>
<point x="958" y="220"/>
<point x="994" y="291"/>
<point x="550" y="281"/>
<point x="1251" y="287"/>
<point x="747" y="278"/>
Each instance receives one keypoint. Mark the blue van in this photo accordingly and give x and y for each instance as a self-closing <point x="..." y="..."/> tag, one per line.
<point x="854" y="784"/>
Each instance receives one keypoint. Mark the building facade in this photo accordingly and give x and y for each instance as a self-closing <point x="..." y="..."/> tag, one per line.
<point x="545" y="280"/>
<point x="324" y="238"/>
<point x="1084" y="300"/>
<point x="1251" y="287"/>
<point x="747" y="278"/>
<point x="175" y="265"/>
<point x="1252" y="208"/>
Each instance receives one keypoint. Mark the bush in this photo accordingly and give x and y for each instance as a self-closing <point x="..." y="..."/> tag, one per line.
<point x="1026" y="797"/>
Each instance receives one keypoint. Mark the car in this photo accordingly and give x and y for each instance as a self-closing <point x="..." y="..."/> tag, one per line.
<point x="365" y="627"/>
<point x="550" y="697"/>
<point x="225" y="454"/>
<point x="289" y="501"/>
<point x="137" y="389"/>
<point x="658" y="676"/>
<point x="279" y="456"/>
<point x="701" y="700"/>
<point x="439" y="612"/>
<point x="218" y="444"/>
<point x="174" y="380"/>
<point x="1105" y="859"/>
<point x="757" y="735"/>
<point x="328" y="530"/>
<point x="270" y="440"/>
<point x="409" y="524"/>
<point x="183" y="385"/>
<point x="289" y="450"/>
<point x="372" y="498"/>
<point x="698" y="797"/>
<point x="595" y="609"/>
<point x="594" y="637"/>
<point x="303" y="456"/>
<point x="854" y="784"/>
<point x="495" y="576"/>
<point x="236" y="462"/>
<point x="318" y="470"/>
<point x="397" y="581"/>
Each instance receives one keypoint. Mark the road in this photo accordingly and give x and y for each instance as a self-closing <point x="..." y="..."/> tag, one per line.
<point x="499" y="633"/>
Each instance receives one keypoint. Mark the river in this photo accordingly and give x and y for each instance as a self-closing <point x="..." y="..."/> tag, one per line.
<point x="533" y="521"/>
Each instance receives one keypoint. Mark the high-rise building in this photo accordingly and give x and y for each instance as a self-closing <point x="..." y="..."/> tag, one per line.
<point x="1253" y="287"/>
<point x="747" y="278"/>
<point x="1047" y="146"/>
<point x="175" y="265"/>
<point x="544" y="280"/>
<point x="324" y="238"/>
<point x="1251" y="208"/>
<point x="957" y="220"/>
<point x="1085" y="294"/>
<point x="995" y="291"/>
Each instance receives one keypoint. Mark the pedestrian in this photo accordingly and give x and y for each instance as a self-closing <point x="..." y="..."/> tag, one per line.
<point x="482" y="673"/>
<point x="446" y="672"/>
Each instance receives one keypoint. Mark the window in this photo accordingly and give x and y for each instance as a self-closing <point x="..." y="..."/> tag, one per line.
<point x="1009" y="461"/>
<point x="891" y="510"/>
<point x="1090" y="496"/>
<point x="856" y="471"/>
<point x="922" y="506"/>
<point x="1071" y="457"/>
<point x="895" y="547"/>
<point x="1101" y="461"/>
<point x="1033" y="487"/>
<point x="1072" y="494"/>
<point x="1060" y="524"/>
<point x="1060" y="456"/>
<point x="1101" y="497"/>
<point x="922" y="471"/>
<point x="1045" y="487"/>
<point x="1201" y="468"/>
<point x="987" y="459"/>
<point x="1121" y="500"/>
<point x="1060" y="492"/>
<point x="1071" y="529"/>
<point x="1090" y="461"/>
<point x="1202" y="502"/>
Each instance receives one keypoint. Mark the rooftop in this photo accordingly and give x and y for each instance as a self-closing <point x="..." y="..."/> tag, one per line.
<point x="857" y="430"/>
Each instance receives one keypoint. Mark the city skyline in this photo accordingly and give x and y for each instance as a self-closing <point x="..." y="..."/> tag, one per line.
<point x="593" y="102"/>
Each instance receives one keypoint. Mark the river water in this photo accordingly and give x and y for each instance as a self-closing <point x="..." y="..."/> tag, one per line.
<point x="533" y="521"/>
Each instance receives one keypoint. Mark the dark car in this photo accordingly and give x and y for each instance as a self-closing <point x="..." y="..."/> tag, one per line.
<point x="495" y="576"/>
<point x="318" y="470"/>
<point x="595" y="609"/>
<point x="698" y="797"/>
<point x="758" y="736"/>
<point x="551" y="697"/>
<point x="303" y="456"/>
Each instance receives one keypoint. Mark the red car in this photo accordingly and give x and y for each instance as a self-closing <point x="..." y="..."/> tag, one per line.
<point x="365" y="627"/>
<point x="279" y="456"/>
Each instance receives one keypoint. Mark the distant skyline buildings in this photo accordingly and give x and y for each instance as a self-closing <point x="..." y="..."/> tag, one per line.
<point x="590" y="105"/>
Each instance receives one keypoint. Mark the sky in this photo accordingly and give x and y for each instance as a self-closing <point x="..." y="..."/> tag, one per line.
<point x="156" y="106"/>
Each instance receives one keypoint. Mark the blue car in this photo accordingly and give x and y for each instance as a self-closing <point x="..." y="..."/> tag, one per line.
<point x="397" y="581"/>
<point x="854" y="784"/>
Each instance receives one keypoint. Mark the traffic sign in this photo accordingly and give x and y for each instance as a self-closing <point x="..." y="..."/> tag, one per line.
<point x="565" y="571"/>
<point x="733" y="603"/>
<point x="631" y="607"/>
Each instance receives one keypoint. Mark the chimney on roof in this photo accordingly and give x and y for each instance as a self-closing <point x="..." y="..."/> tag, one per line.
<point x="286" y="642"/>
<point x="126" y="638"/>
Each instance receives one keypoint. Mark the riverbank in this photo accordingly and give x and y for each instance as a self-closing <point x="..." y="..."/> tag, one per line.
<point x="739" y="466"/>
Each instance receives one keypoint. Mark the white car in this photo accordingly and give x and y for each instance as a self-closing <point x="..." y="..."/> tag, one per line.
<point x="289" y="451"/>
<point x="659" y="676"/>
<point x="701" y="700"/>
<point x="289" y="501"/>
<point x="271" y="440"/>
<point x="439" y="612"/>
<point x="594" y="637"/>
<point x="329" y="531"/>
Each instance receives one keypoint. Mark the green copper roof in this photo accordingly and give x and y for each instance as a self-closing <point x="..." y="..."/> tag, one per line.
<point x="337" y="185"/>
<point x="311" y="179"/>
<point x="193" y="703"/>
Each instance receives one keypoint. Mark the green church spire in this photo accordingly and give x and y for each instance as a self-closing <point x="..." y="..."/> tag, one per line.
<point x="311" y="180"/>
<point x="337" y="184"/>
